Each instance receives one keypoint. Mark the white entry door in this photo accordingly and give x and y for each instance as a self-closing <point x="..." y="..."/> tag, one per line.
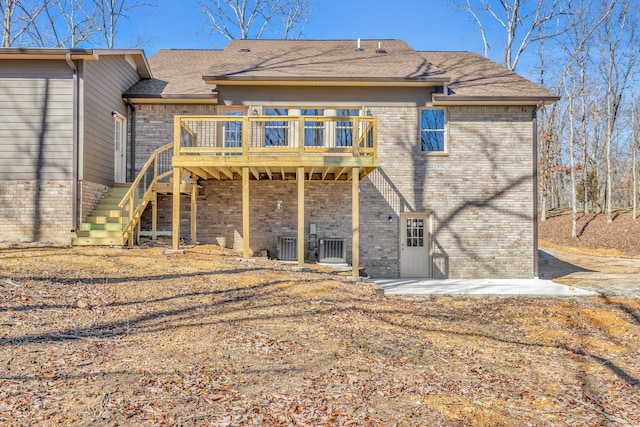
<point x="120" y="159"/>
<point x="415" y="244"/>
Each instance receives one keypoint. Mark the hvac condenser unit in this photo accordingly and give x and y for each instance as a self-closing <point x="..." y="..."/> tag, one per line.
<point x="287" y="248"/>
<point x="332" y="251"/>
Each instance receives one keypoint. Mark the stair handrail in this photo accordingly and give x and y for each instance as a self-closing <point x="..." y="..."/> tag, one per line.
<point x="135" y="211"/>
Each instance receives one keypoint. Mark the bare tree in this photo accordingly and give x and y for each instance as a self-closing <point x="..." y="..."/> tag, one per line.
<point x="635" y="140"/>
<point x="108" y="15"/>
<point x="619" y="56"/>
<point x="68" y="23"/>
<point x="244" y="19"/>
<point x="18" y="18"/>
<point x="521" y="22"/>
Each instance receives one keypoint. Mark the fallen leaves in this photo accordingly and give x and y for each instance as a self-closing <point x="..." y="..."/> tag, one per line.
<point x="207" y="339"/>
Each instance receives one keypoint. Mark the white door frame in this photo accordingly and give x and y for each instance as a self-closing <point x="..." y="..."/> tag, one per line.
<point x="119" y="147"/>
<point x="416" y="250"/>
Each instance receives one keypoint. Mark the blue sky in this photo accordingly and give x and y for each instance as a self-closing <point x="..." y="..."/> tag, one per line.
<point x="424" y="24"/>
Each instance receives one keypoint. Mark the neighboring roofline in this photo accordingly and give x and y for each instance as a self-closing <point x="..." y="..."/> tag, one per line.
<point x="325" y="81"/>
<point x="493" y="100"/>
<point x="39" y="53"/>
<point x="140" y="59"/>
<point x="138" y="55"/>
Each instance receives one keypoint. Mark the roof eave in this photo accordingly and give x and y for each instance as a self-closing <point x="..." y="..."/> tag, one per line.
<point x="171" y="99"/>
<point x="324" y="81"/>
<point x="493" y="100"/>
<point x="39" y="53"/>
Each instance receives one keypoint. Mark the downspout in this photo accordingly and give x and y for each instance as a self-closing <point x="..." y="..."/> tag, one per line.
<point x="131" y="117"/>
<point x="76" y="140"/>
<point x="534" y="119"/>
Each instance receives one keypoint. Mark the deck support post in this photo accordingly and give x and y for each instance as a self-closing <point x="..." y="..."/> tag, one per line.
<point x="300" y="179"/>
<point x="246" y="250"/>
<point x="175" y="223"/>
<point x="194" y="207"/>
<point x="355" y="221"/>
<point x="154" y="216"/>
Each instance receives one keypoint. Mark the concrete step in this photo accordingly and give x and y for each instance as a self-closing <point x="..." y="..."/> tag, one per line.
<point x="98" y="241"/>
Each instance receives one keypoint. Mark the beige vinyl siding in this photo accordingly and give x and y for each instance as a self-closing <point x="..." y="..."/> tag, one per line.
<point x="36" y="127"/>
<point x="104" y="82"/>
<point x="321" y="96"/>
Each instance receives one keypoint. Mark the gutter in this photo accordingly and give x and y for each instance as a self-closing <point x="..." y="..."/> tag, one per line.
<point x="76" y="142"/>
<point x="131" y="117"/>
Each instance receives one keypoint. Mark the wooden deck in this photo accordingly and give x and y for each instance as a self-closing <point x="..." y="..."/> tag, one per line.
<point x="275" y="147"/>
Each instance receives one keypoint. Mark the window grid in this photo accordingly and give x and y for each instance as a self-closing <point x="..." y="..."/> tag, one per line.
<point x="415" y="232"/>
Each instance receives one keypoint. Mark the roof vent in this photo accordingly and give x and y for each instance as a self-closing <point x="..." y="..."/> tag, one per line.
<point x="380" y="49"/>
<point x="359" y="49"/>
<point x="244" y="49"/>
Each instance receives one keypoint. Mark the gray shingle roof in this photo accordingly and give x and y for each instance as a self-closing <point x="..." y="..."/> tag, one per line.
<point x="321" y="60"/>
<point x="473" y="75"/>
<point x="183" y="72"/>
<point x="177" y="72"/>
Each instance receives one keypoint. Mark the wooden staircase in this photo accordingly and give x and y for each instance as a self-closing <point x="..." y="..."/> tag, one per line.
<point x="115" y="221"/>
<point x="105" y="225"/>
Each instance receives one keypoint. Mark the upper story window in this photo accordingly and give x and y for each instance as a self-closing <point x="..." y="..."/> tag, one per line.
<point x="313" y="131"/>
<point x="276" y="132"/>
<point x="432" y="131"/>
<point x="344" y="130"/>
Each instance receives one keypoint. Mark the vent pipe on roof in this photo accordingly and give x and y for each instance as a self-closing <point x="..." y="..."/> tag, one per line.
<point x="380" y="49"/>
<point x="358" y="49"/>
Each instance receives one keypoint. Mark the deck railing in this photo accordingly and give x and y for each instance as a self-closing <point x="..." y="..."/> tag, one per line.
<point x="156" y="169"/>
<point x="275" y="135"/>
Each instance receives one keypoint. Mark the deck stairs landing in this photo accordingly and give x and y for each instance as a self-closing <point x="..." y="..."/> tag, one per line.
<point x="104" y="226"/>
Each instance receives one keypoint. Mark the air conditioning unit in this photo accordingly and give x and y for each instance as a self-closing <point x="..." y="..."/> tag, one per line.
<point x="332" y="251"/>
<point x="287" y="248"/>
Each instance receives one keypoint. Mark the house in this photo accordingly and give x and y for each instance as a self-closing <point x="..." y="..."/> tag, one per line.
<point x="401" y="162"/>
<point x="59" y="112"/>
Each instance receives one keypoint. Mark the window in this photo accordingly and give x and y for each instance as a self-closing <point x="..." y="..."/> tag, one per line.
<point x="276" y="133"/>
<point x="415" y="232"/>
<point x="344" y="130"/>
<point x="233" y="130"/>
<point x="313" y="131"/>
<point x="432" y="131"/>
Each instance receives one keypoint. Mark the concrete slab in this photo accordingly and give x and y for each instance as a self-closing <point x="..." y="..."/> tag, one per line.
<point x="529" y="287"/>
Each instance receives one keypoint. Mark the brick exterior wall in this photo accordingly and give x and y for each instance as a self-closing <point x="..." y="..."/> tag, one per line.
<point x="90" y="194"/>
<point x="154" y="127"/>
<point x="481" y="194"/>
<point x="36" y="211"/>
<point x="327" y="204"/>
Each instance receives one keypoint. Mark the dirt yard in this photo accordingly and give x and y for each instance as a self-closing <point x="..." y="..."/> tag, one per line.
<point x="92" y="336"/>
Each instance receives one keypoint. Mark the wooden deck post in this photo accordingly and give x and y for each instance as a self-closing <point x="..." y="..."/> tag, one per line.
<point x="300" y="179"/>
<point x="175" y="223"/>
<point x="154" y="216"/>
<point x="245" y="213"/>
<point x="194" y="207"/>
<point x="355" y="220"/>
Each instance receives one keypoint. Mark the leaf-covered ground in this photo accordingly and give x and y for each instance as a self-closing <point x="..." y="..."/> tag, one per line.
<point x="619" y="237"/>
<point x="106" y="336"/>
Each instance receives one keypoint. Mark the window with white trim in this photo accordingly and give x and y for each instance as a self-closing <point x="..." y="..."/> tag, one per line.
<point x="433" y="130"/>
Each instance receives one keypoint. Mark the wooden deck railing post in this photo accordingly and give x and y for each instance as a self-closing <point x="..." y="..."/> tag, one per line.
<point x="355" y="138"/>
<point x="245" y="138"/>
